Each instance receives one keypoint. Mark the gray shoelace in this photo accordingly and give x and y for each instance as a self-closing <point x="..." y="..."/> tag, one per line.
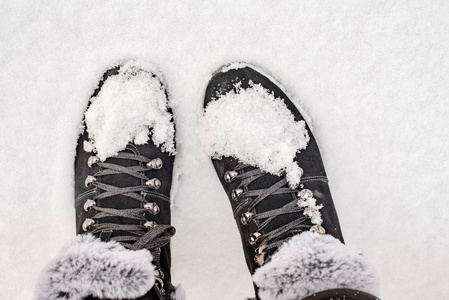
<point x="148" y="235"/>
<point x="269" y="240"/>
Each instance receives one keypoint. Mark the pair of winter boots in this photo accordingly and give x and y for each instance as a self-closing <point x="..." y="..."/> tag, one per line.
<point x="267" y="161"/>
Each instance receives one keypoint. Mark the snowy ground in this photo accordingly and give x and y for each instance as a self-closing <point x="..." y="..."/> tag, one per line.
<point x="372" y="75"/>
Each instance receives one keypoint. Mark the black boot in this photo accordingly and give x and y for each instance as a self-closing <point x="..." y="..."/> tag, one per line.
<point x="123" y="178"/>
<point x="271" y="211"/>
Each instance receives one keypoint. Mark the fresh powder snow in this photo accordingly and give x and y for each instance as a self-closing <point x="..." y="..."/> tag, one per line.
<point x="129" y="106"/>
<point x="255" y="127"/>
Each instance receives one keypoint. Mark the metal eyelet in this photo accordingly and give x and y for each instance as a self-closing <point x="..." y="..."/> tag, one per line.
<point x="149" y="224"/>
<point x="246" y="218"/>
<point x="153" y="183"/>
<point x="152" y="207"/>
<point x="160" y="285"/>
<point x="253" y="238"/>
<point x="301" y="172"/>
<point x="236" y="194"/>
<point x="305" y="194"/>
<point x="159" y="276"/>
<point x="259" y="258"/>
<point x="92" y="161"/>
<point x="154" y="164"/>
<point x="89" y="180"/>
<point x="159" y="273"/>
<point x="88" y="204"/>
<point x="230" y="176"/>
<point x="318" y="229"/>
<point x="87" y="223"/>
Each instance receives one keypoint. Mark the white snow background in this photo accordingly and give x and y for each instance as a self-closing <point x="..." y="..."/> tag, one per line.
<point x="372" y="75"/>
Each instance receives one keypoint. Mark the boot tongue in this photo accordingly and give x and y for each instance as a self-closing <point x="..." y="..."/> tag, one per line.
<point x="274" y="202"/>
<point x="120" y="201"/>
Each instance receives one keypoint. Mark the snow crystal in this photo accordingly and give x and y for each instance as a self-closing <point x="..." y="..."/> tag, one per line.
<point x="126" y="108"/>
<point x="87" y="146"/>
<point x="311" y="210"/>
<point x="256" y="128"/>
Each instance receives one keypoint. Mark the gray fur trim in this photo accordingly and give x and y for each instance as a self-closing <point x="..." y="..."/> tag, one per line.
<point x="179" y="293"/>
<point x="310" y="263"/>
<point x="88" y="266"/>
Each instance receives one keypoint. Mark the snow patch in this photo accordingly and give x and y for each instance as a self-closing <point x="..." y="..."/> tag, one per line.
<point x="87" y="146"/>
<point x="256" y="128"/>
<point x="311" y="210"/>
<point x="130" y="107"/>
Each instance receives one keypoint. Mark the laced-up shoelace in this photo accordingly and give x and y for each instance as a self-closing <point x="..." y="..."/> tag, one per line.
<point x="147" y="235"/>
<point x="303" y="203"/>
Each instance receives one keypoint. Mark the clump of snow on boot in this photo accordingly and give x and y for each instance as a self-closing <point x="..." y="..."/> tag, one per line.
<point x="257" y="129"/>
<point x="130" y="107"/>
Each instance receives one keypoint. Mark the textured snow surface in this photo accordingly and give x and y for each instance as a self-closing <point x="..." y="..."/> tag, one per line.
<point x="373" y="76"/>
<point x="128" y="106"/>
<point x="256" y="128"/>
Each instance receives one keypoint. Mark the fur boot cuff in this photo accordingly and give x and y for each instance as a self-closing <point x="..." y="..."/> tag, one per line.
<point x="106" y="270"/>
<point x="309" y="263"/>
<point x="179" y="293"/>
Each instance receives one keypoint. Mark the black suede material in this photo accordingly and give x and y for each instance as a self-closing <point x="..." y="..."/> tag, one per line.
<point x="314" y="177"/>
<point x="164" y="174"/>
